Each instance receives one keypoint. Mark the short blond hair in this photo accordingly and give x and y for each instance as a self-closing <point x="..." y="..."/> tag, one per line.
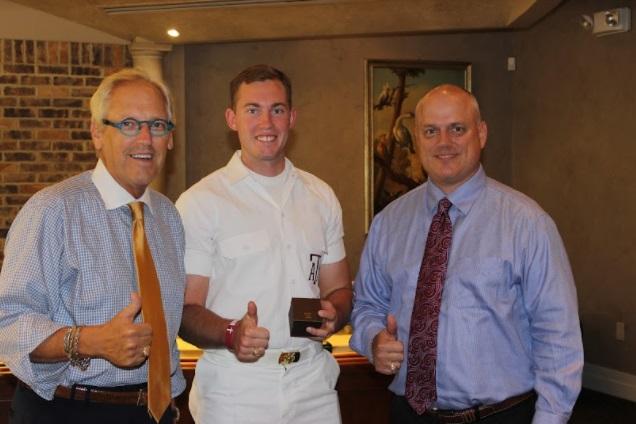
<point x="101" y="98"/>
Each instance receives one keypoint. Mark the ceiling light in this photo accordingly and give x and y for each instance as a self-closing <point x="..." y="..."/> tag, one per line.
<point x="172" y="32"/>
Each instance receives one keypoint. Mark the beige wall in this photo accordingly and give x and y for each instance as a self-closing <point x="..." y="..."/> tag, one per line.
<point x="328" y="84"/>
<point x="574" y="151"/>
<point x="175" y="166"/>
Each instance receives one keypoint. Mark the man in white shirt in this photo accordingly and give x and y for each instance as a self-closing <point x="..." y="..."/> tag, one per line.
<point x="260" y="232"/>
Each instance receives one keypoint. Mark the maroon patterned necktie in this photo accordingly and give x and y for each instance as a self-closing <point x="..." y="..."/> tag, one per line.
<point x="421" y="390"/>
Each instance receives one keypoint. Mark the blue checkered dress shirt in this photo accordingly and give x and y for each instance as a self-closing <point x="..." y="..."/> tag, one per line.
<point x="68" y="260"/>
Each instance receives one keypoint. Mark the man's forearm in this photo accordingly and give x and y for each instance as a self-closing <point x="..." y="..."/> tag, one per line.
<point x="202" y="327"/>
<point x="341" y="300"/>
<point x="51" y="349"/>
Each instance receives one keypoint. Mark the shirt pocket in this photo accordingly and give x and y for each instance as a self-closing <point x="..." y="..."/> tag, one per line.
<point x="244" y="244"/>
<point x="483" y="283"/>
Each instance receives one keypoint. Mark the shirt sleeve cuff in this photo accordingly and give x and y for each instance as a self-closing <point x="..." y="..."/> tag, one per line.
<point x="197" y="263"/>
<point x="335" y="252"/>
<point x="362" y="339"/>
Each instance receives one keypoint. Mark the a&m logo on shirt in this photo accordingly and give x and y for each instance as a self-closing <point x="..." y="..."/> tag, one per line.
<point x="314" y="273"/>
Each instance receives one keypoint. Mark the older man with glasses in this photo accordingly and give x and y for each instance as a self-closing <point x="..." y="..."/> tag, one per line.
<point x="91" y="290"/>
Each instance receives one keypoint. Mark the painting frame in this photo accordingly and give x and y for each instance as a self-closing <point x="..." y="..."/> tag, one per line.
<point x="392" y="88"/>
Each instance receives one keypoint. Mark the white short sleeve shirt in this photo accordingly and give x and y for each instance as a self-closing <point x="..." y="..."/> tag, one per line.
<point x="254" y="248"/>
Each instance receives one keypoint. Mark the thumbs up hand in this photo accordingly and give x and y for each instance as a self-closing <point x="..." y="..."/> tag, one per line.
<point x="130" y="312"/>
<point x="391" y="326"/>
<point x="123" y="342"/>
<point x="250" y="340"/>
<point x="388" y="351"/>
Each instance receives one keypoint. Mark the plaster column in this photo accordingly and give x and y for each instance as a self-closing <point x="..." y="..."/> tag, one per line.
<point x="147" y="56"/>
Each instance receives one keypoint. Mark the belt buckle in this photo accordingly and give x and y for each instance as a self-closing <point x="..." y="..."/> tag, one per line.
<point x="433" y="412"/>
<point x="469" y="415"/>
<point x="287" y="358"/>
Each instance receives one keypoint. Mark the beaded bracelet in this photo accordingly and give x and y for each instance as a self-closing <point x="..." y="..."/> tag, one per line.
<point x="71" y="344"/>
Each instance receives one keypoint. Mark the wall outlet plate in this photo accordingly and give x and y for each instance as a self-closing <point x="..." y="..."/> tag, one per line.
<point x="620" y="331"/>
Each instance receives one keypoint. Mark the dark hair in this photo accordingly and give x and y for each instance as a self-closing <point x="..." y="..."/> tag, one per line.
<point x="260" y="73"/>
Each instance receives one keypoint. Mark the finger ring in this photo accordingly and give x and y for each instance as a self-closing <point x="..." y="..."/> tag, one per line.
<point x="146" y="351"/>
<point x="392" y="366"/>
<point x="255" y="352"/>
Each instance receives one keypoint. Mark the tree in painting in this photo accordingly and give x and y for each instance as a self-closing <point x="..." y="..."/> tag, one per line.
<point x="396" y="166"/>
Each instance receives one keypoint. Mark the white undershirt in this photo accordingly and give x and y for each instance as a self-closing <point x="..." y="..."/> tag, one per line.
<point x="273" y="185"/>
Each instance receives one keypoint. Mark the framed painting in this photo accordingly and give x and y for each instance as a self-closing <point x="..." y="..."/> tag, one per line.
<point x="392" y="92"/>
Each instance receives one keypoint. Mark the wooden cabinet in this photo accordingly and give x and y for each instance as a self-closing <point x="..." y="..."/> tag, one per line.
<point x="7" y="387"/>
<point x="362" y="392"/>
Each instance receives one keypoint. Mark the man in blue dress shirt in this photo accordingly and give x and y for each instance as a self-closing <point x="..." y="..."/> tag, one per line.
<point x="70" y="324"/>
<point x="509" y="344"/>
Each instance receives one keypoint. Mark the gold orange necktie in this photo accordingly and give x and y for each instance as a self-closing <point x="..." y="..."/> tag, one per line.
<point x="159" y="393"/>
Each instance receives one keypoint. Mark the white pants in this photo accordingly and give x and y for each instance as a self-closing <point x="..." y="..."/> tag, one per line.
<point x="226" y="391"/>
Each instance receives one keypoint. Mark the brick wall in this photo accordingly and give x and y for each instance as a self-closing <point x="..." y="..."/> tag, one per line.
<point x="45" y="88"/>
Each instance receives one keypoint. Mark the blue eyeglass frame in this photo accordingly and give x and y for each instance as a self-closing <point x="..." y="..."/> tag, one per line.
<point x="149" y="122"/>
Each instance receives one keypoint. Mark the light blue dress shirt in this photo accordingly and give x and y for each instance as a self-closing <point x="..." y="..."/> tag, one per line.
<point x="69" y="261"/>
<point x="509" y="320"/>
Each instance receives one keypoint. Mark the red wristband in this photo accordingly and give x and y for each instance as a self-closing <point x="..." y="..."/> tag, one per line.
<point x="229" y="334"/>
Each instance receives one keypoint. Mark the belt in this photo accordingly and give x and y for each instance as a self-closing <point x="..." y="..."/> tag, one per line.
<point x="289" y="357"/>
<point x="100" y="395"/>
<point x="479" y="412"/>
<point x="272" y="358"/>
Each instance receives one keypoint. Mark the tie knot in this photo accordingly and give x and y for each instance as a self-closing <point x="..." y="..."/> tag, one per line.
<point x="137" y="209"/>
<point x="444" y="205"/>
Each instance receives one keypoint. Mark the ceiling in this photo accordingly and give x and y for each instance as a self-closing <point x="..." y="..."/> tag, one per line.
<point x="243" y="20"/>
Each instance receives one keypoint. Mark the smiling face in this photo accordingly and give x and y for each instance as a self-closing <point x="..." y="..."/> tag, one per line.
<point x="132" y="161"/>
<point x="262" y="118"/>
<point x="450" y="136"/>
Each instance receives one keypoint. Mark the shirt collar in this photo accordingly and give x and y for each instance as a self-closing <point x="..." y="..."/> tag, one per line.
<point x="462" y="198"/>
<point x="236" y="169"/>
<point x="114" y="195"/>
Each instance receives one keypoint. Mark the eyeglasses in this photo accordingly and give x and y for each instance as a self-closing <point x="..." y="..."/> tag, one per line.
<point x="130" y="127"/>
